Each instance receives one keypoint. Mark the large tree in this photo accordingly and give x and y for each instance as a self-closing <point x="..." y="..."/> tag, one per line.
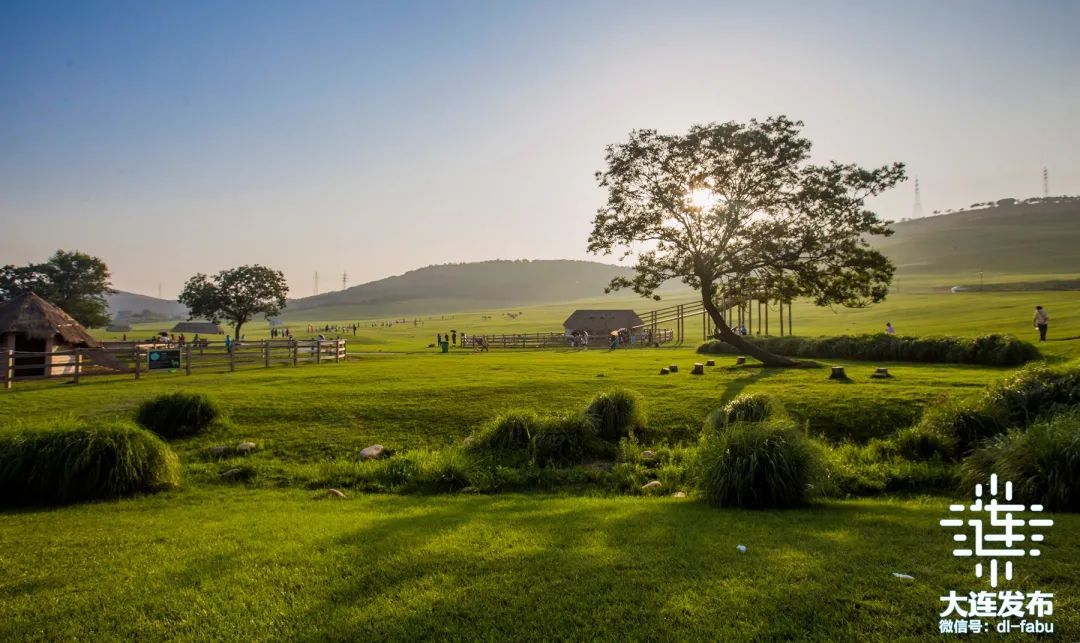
<point x="74" y="281"/>
<point x="734" y="209"/>
<point x="235" y="295"/>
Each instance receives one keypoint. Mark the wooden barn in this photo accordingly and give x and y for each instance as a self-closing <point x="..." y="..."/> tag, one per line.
<point x="600" y="322"/>
<point x="29" y="324"/>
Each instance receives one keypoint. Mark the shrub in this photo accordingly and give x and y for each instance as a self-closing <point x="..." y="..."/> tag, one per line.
<point x="923" y="442"/>
<point x="77" y="461"/>
<point x="510" y="434"/>
<point x="177" y="415"/>
<point x="569" y="439"/>
<point x="617" y="414"/>
<point x="756" y="465"/>
<point x="988" y="350"/>
<point x="968" y="422"/>
<point x="1042" y="462"/>
<point x="1033" y="392"/>
<point x="748" y="407"/>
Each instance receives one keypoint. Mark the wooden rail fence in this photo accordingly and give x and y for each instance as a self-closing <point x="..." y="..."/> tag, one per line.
<point x="145" y="359"/>
<point x="560" y="340"/>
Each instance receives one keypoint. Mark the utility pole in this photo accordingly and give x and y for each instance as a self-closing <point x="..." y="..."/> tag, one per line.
<point x="917" y="209"/>
<point x="344" y="280"/>
<point x="316" y="282"/>
<point x="159" y="290"/>
<point x="1046" y="183"/>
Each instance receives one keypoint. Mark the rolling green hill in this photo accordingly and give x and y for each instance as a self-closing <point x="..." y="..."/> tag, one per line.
<point x="1003" y="241"/>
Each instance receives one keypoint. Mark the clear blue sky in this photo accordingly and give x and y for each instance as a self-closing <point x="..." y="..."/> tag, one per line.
<point x="176" y="137"/>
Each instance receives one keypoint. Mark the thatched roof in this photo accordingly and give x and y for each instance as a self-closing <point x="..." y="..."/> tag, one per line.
<point x="198" y="327"/>
<point x="601" y="320"/>
<point x="36" y="318"/>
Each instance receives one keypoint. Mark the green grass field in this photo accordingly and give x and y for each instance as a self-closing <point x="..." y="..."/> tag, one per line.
<point x="276" y="558"/>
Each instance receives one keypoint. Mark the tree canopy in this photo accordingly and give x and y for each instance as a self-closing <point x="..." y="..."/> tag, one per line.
<point x="74" y="281"/>
<point x="235" y="295"/>
<point x="734" y="209"/>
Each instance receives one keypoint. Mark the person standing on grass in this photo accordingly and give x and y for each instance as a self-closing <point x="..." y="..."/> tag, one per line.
<point x="889" y="330"/>
<point x="1042" y="321"/>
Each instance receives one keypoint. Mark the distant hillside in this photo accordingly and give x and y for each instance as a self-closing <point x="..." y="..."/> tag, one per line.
<point x="129" y="306"/>
<point x="466" y="286"/>
<point x="1018" y="238"/>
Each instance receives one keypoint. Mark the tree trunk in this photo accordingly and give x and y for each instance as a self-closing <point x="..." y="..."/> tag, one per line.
<point x="237" y="328"/>
<point x="728" y="336"/>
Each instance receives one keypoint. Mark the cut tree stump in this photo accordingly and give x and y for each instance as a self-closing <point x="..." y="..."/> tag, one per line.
<point x="711" y="362"/>
<point x="838" y="373"/>
<point x="699" y="369"/>
<point x="880" y="374"/>
<point x="664" y="371"/>
<point x="674" y="368"/>
<point x="740" y="360"/>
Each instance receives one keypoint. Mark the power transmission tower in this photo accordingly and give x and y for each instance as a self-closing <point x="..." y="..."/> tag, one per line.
<point x="1046" y="183"/>
<point x="344" y="280"/>
<point x="159" y="290"/>
<point x="316" y="282"/>
<point x="917" y="210"/>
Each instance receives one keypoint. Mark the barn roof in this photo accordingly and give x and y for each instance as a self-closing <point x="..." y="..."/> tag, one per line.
<point x="36" y="318"/>
<point x="601" y="319"/>
<point x="201" y="327"/>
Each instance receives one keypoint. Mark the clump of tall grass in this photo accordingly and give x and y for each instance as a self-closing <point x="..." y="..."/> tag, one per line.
<point x="757" y="465"/>
<point x="177" y="415"/>
<point x="923" y="442"/>
<point x="1042" y="462"/>
<point x="569" y="439"/>
<point x="747" y="407"/>
<point x="507" y="437"/>
<point x="78" y="460"/>
<point x="617" y="414"/>
<point x="988" y="350"/>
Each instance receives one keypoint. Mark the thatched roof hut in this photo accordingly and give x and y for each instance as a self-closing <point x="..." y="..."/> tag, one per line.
<point x="198" y="327"/>
<point x="601" y="322"/>
<point x="33" y="318"/>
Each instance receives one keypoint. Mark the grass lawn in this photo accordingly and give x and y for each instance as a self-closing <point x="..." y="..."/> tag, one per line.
<point x="267" y="564"/>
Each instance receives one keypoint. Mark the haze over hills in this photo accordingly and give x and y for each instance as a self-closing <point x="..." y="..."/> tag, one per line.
<point x="1018" y="239"/>
<point x="1011" y="238"/>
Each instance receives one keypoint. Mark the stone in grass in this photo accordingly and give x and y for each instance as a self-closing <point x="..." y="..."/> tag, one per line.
<point x="373" y="452"/>
<point x="699" y="369"/>
<point x="334" y="493"/>
<point x="664" y="371"/>
<point x="652" y="485"/>
<point x="679" y="494"/>
<point x="648" y="455"/>
<point x="218" y="450"/>
<point x="245" y="447"/>
<point x="231" y="474"/>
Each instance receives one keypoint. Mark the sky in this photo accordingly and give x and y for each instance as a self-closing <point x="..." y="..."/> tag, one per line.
<point x="171" y="138"/>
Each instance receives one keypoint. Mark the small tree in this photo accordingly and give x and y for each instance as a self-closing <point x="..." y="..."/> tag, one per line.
<point x="735" y="208"/>
<point x="74" y="281"/>
<point x="235" y="295"/>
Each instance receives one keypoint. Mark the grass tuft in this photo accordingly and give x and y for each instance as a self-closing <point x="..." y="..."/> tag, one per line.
<point x="177" y="415"/>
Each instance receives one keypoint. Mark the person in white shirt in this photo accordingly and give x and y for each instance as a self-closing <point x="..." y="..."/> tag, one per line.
<point x="1042" y="321"/>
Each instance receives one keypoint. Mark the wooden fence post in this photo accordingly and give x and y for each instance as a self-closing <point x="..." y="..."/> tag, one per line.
<point x="337" y="350"/>
<point x="9" y="368"/>
<point x="232" y="357"/>
<point x="295" y="353"/>
<point x="266" y="353"/>
<point x="138" y="363"/>
<point x="187" y="359"/>
<point x="318" y="351"/>
<point x="78" y="360"/>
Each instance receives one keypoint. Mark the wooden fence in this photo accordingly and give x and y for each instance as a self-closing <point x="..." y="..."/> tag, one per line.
<point x="143" y="359"/>
<point x="560" y="340"/>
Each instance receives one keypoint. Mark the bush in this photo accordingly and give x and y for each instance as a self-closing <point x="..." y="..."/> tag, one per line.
<point x="509" y="435"/>
<point x="177" y="415"/>
<point x="756" y="465"/>
<point x="78" y="461"/>
<point x="968" y="422"/>
<point x="1034" y="392"/>
<point x="923" y="443"/>
<point x="617" y="414"/>
<point x="569" y="439"/>
<point x="1042" y="462"/>
<point x="988" y="350"/>
<point x="748" y="407"/>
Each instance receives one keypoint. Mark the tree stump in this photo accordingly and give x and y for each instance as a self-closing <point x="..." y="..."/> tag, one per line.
<point x="838" y="373"/>
<point x="740" y="360"/>
<point x="881" y="374"/>
<point x="711" y="362"/>
<point x="699" y="369"/>
<point x="664" y="371"/>
<point x="674" y="368"/>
